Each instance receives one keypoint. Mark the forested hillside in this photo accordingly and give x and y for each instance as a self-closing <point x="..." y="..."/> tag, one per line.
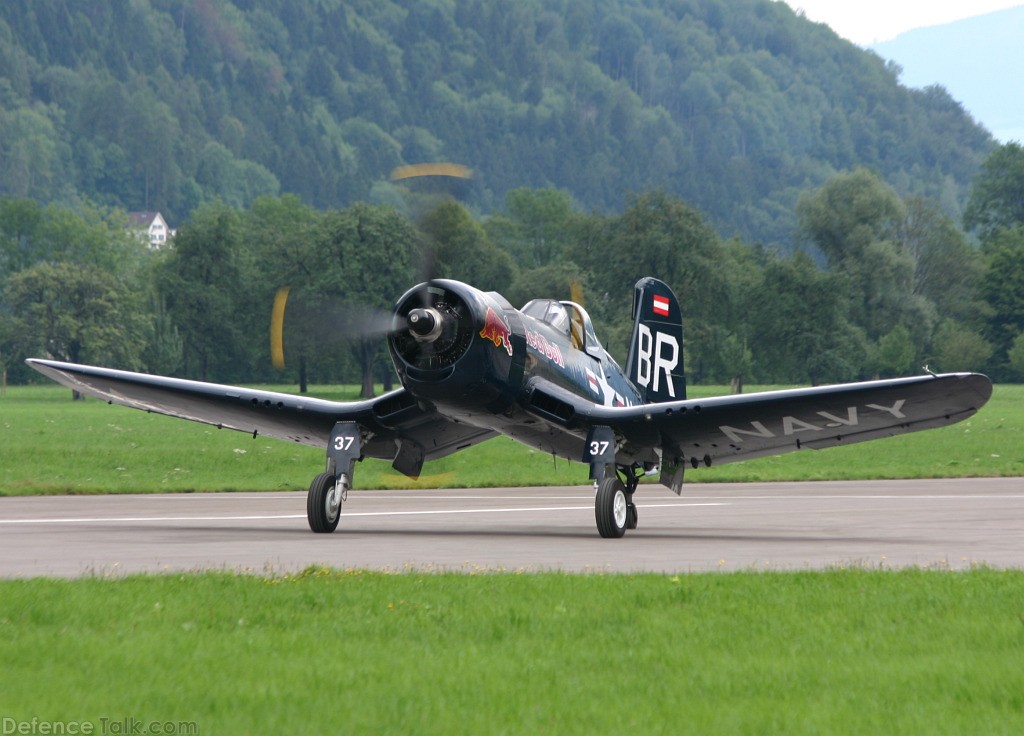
<point x="735" y="107"/>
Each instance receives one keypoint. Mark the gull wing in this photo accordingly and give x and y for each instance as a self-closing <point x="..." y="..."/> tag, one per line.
<point x="397" y="427"/>
<point x="740" y="427"/>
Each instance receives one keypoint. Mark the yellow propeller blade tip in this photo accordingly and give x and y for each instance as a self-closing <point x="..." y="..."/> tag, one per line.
<point x="576" y="291"/>
<point x="277" y="327"/>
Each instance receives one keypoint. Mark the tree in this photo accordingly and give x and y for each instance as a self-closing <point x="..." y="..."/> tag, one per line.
<point x="558" y="280"/>
<point x="203" y="283"/>
<point x="281" y="233"/>
<point x="959" y="348"/>
<point x="539" y="229"/>
<point x="946" y="267"/>
<point x="364" y="257"/>
<point x="30" y="156"/>
<point x="30" y="234"/>
<point x="1016" y="354"/>
<point x="896" y="352"/>
<point x="34" y="240"/>
<point x="74" y="312"/>
<point x="718" y="102"/>
<point x="237" y="181"/>
<point x="463" y="251"/>
<point x="165" y="349"/>
<point x="1002" y="289"/>
<point x="20" y="220"/>
<point x="799" y="330"/>
<point x="856" y="220"/>
<point x="848" y="213"/>
<point x="150" y="137"/>
<point x="7" y="346"/>
<point x="997" y="195"/>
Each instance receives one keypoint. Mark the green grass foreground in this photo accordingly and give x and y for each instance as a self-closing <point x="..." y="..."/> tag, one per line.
<point x="52" y="445"/>
<point x="843" y="652"/>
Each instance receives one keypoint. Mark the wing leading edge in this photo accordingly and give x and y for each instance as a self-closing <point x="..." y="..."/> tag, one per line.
<point x="397" y="426"/>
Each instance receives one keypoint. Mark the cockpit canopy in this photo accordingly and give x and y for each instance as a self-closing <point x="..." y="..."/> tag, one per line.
<point x="568" y="318"/>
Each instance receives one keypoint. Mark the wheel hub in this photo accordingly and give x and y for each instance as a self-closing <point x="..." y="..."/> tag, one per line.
<point x="335" y="497"/>
<point x="620" y="508"/>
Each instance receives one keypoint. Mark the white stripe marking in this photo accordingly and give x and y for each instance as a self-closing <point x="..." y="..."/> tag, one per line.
<point x="144" y="519"/>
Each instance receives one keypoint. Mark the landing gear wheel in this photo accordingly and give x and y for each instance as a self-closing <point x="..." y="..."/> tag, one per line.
<point x="611" y="508"/>
<point x="323" y="503"/>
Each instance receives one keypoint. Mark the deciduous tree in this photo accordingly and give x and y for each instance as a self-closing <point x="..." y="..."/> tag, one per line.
<point x="799" y="331"/>
<point x="462" y="249"/>
<point x="997" y="195"/>
<point x="77" y="313"/>
<point x="1002" y="289"/>
<point x="203" y="283"/>
<point x="364" y="257"/>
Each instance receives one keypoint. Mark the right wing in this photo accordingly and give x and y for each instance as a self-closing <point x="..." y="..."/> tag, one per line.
<point x="724" y="429"/>
<point x="398" y="428"/>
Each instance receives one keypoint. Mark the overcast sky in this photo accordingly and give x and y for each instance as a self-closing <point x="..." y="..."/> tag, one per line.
<point x="869" y="21"/>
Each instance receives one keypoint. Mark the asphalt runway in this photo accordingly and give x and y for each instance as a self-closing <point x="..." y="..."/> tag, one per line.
<point x="775" y="526"/>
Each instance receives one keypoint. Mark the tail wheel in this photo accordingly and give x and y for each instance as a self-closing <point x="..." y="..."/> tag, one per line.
<point x="323" y="504"/>
<point x="611" y="508"/>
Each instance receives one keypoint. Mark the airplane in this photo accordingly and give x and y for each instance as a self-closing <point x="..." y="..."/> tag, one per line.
<point x="472" y="367"/>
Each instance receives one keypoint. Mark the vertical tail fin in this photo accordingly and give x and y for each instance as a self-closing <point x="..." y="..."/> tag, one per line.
<point x="655" y="361"/>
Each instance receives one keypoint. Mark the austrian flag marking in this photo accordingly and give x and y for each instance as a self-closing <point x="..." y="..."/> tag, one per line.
<point x="661" y="305"/>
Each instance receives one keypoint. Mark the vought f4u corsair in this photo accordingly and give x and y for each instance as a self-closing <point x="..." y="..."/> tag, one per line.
<point x="473" y="367"/>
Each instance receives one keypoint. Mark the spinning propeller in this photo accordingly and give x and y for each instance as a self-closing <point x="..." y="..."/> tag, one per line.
<point x="324" y="320"/>
<point x="430" y="328"/>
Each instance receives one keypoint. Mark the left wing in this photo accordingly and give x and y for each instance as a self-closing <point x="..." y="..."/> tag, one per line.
<point x="730" y="428"/>
<point x="397" y="427"/>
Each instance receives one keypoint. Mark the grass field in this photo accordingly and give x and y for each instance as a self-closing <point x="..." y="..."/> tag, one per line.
<point x="843" y="652"/>
<point x="52" y="445"/>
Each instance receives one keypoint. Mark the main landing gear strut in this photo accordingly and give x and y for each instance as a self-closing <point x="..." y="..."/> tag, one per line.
<point x="329" y="490"/>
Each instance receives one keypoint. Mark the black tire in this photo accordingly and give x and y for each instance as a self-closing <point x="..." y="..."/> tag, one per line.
<point x="611" y="508"/>
<point x="320" y="520"/>
<point x="632" y="516"/>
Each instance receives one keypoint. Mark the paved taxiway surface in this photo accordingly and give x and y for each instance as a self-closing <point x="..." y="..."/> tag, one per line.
<point x="787" y="526"/>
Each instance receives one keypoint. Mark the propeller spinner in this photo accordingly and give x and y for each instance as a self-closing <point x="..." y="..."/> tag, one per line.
<point x="425" y="324"/>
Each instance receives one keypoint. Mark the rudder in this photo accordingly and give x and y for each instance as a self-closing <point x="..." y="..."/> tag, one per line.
<point x="655" y="363"/>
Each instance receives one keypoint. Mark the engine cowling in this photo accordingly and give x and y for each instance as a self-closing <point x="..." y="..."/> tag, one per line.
<point x="453" y="344"/>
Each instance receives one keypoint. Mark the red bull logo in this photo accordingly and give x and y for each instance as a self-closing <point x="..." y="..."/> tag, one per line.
<point x="497" y="331"/>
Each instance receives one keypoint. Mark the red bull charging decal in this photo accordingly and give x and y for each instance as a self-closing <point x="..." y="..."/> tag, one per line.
<point x="497" y="331"/>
